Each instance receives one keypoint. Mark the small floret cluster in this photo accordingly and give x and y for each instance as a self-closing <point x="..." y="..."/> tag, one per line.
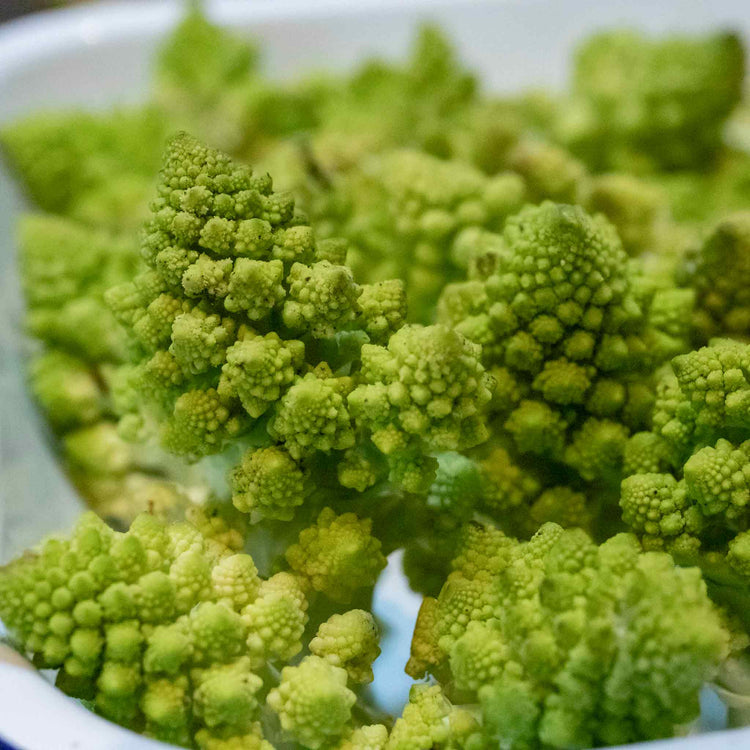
<point x="566" y="644"/>
<point x="174" y="634"/>
<point x="412" y="216"/>
<point x="572" y="335"/>
<point x="688" y="482"/>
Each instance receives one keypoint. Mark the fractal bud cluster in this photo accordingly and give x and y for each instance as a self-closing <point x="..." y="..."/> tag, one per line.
<point x="280" y="331"/>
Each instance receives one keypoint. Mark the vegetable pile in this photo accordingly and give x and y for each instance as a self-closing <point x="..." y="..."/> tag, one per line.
<point x="507" y="338"/>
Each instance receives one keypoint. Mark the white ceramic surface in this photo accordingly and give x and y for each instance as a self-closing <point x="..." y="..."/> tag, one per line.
<point x="97" y="55"/>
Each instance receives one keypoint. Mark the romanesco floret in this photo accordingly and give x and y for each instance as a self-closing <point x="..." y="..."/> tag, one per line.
<point x="406" y="213"/>
<point x="67" y="389"/>
<point x="638" y="210"/>
<point x="132" y="609"/>
<point x="424" y="722"/>
<point x="65" y="269"/>
<point x="549" y="172"/>
<point x="313" y="702"/>
<point x="349" y="641"/>
<point x="230" y="344"/>
<point x="647" y="103"/>
<point x="172" y="633"/>
<point x="370" y="737"/>
<point x="568" y="644"/>
<point x="690" y="496"/>
<point x="338" y="555"/>
<point x="425" y="392"/>
<point x="276" y="619"/>
<point x="564" y="323"/>
<point x="719" y="273"/>
<point x="269" y="483"/>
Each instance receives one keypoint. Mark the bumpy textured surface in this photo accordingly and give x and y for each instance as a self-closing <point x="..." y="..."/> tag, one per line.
<point x="214" y="247"/>
<point x="141" y="623"/>
<point x="349" y="641"/>
<point x="425" y="392"/>
<point x="65" y="269"/>
<point x="232" y="318"/>
<point x="406" y="213"/>
<point x="565" y="327"/>
<point x="338" y="555"/>
<point x="566" y="644"/>
<point x="719" y="272"/>
<point x="690" y="495"/>
<point x="172" y="633"/>
<point x="313" y="701"/>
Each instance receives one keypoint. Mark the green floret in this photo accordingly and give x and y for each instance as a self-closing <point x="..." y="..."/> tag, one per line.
<point x="550" y="172"/>
<point x="67" y="160"/>
<point x="638" y="209"/>
<point x="338" y="555"/>
<point x="66" y="389"/>
<point x="276" y="619"/>
<point x="258" y="369"/>
<point x="270" y="483"/>
<point x="313" y="702"/>
<point x="427" y="390"/>
<point x="111" y="623"/>
<point x="405" y="215"/>
<point x="200" y="424"/>
<point x="322" y="298"/>
<point x="719" y="273"/>
<point x="652" y="103"/>
<point x="167" y="631"/>
<point x="222" y="740"/>
<point x="690" y="494"/>
<point x="383" y="308"/>
<point x="225" y="693"/>
<point x="457" y="487"/>
<point x="97" y="450"/>
<point x="597" y="449"/>
<point x="371" y="737"/>
<point x="645" y="453"/>
<point x="506" y="486"/>
<point x="349" y="641"/>
<point x="236" y="315"/>
<point x="358" y="469"/>
<point x="564" y="310"/>
<point x="717" y="479"/>
<point x="715" y="381"/>
<point x="200" y="341"/>
<point x="657" y="505"/>
<point x="424" y="722"/>
<point x="566" y="644"/>
<point x="563" y="506"/>
<point x="65" y="269"/>
<point x="312" y="415"/>
<point x="255" y="287"/>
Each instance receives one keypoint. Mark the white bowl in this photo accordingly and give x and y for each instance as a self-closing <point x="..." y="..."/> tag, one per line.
<point x="96" y="55"/>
